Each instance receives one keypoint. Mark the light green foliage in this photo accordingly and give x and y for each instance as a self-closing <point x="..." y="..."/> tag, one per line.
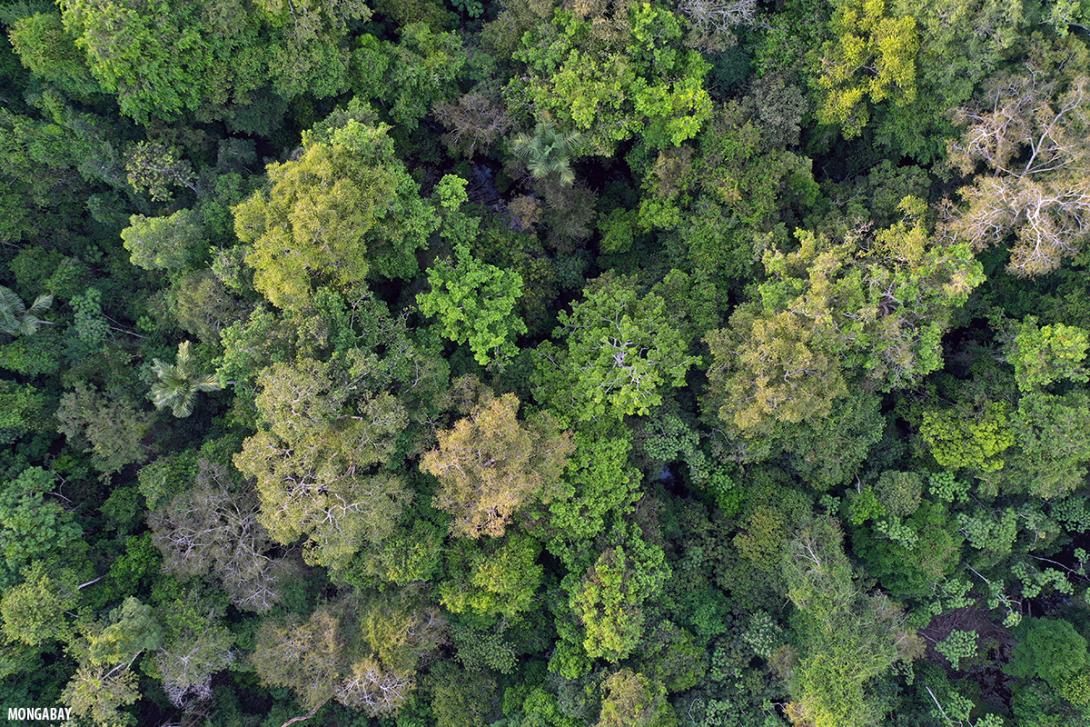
<point x="956" y="646"/>
<point x="100" y="692"/>
<point x="766" y="370"/>
<point x="166" y="243"/>
<point x="762" y="635"/>
<point x="946" y="487"/>
<point x="344" y="211"/>
<point x="898" y="531"/>
<point x="630" y="699"/>
<point x="832" y="310"/>
<point x="156" y="59"/>
<point x="1066" y="15"/>
<point x="105" y="681"/>
<point x="179" y="383"/>
<point x="1044" y="355"/>
<point x="475" y="304"/>
<point x="611" y="86"/>
<point x="482" y="648"/>
<point x="167" y="58"/>
<point x="493" y="579"/>
<point x="400" y="627"/>
<point x="161" y="59"/>
<point x="598" y="484"/>
<point x="32" y="356"/>
<point x="969" y="439"/>
<point x="953" y="593"/>
<point x="872" y="58"/>
<point x="912" y="276"/>
<point x="132" y="630"/>
<point x="450" y="191"/>
<point x="670" y="439"/>
<point x="540" y="709"/>
<point x="622" y="353"/>
<point x="608" y="601"/>
<point x="453" y="363"/>
<point x="34" y="611"/>
<point x="306" y="55"/>
<point x="951" y="708"/>
<point x="1076" y="690"/>
<point x="989" y="531"/>
<point x="88" y="321"/>
<point x="1036" y="581"/>
<point x="863" y="505"/>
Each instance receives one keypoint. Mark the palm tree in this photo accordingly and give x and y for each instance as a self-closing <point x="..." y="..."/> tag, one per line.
<point x="18" y="320"/>
<point x="546" y="153"/>
<point x="179" y="383"/>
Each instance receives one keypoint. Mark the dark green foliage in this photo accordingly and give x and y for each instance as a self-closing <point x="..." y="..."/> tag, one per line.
<point x="1048" y="649"/>
<point x="421" y="70"/>
<point x="917" y="557"/>
<point x="36" y="528"/>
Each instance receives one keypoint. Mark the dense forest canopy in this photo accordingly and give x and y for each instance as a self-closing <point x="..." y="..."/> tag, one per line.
<point x="545" y="363"/>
